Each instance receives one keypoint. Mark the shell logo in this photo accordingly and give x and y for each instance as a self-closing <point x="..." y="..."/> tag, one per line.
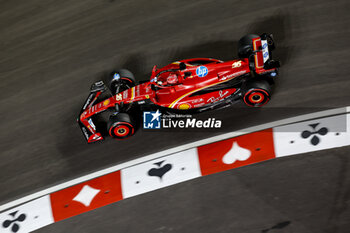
<point x="184" y="106"/>
<point x="147" y="96"/>
<point x="106" y="102"/>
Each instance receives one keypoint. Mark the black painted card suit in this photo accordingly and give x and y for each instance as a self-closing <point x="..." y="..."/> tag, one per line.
<point x="15" y="226"/>
<point x="315" y="139"/>
<point x="160" y="171"/>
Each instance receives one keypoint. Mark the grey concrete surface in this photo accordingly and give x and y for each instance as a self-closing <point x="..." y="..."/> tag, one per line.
<point x="51" y="52"/>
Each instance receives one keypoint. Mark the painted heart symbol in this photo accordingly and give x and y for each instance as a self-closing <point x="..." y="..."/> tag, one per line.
<point x="160" y="172"/>
<point x="236" y="153"/>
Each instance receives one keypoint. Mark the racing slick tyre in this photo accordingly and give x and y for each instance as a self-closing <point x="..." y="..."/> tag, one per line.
<point x="124" y="81"/>
<point x="245" y="45"/>
<point x="120" y="126"/>
<point x="257" y="93"/>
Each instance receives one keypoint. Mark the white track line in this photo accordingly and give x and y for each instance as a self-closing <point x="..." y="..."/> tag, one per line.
<point x="171" y="151"/>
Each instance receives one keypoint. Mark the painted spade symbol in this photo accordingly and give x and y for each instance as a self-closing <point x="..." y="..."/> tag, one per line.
<point x="15" y="226"/>
<point x="160" y="171"/>
<point x="236" y="153"/>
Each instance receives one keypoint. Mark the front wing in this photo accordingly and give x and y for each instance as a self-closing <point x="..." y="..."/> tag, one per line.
<point x="89" y="131"/>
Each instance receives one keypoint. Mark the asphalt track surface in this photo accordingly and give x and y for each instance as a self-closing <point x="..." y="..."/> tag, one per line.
<point x="52" y="51"/>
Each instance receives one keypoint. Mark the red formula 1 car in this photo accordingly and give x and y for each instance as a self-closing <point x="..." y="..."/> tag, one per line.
<point x="191" y="85"/>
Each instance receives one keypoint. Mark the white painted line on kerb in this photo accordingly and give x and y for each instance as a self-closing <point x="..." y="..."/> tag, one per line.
<point x="171" y="151"/>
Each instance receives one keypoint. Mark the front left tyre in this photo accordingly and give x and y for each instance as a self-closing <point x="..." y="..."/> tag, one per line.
<point x="120" y="80"/>
<point x="120" y="126"/>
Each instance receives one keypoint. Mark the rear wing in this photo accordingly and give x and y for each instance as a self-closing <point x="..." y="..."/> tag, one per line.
<point x="263" y="47"/>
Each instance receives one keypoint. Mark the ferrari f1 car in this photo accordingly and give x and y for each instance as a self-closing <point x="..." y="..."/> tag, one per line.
<point x="191" y="85"/>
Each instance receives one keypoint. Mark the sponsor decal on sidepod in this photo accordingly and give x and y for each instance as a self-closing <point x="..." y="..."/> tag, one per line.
<point x="202" y="71"/>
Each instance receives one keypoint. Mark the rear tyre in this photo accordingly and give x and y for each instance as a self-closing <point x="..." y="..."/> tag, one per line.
<point x="120" y="126"/>
<point x="245" y="45"/>
<point x="257" y="93"/>
<point x="126" y="81"/>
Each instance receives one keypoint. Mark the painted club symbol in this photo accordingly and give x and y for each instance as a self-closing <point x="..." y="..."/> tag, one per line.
<point x="15" y="226"/>
<point x="314" y="133"/>
<point x="160" y="170"/>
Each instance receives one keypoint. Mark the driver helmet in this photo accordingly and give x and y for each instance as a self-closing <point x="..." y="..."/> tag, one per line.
<point x="172" y="79"/>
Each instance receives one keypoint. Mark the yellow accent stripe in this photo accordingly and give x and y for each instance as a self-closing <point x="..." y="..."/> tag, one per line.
<point x="177" y="62"/>
<point x="189" y="93"/>
<point x="132" y="93"/>
<point x="256" y="56"/>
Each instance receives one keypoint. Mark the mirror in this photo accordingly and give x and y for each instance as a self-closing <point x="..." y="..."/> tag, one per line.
<point x="182" y="66"/>
<point x="154" y="69"/>
<point x="187" y="74"/>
